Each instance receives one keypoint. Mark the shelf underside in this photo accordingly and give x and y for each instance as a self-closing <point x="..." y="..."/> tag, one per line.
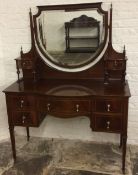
<point x="82" y="37"/>
<point x="82" y="49"/>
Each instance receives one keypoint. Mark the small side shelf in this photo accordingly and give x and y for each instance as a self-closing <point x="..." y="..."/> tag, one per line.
<point x="115" y="66"/>
<point x="81" y="49"/>
<point x="83" y="37"/>
<point x="79" y="42"/>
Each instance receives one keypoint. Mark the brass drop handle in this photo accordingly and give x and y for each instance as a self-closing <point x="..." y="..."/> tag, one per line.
<point x="21" y="103"/>
<point x="108" y="107"/>
<point x="115" y="63"/>
<point x="77" y="107"/>
<point x="23" y="119"/>
<point x="48" y="106"/>
<point x="108" y="124"/>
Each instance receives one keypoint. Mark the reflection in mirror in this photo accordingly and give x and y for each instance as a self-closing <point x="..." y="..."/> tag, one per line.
<point x="70" y="39"/>
<point x="70" y="90"/>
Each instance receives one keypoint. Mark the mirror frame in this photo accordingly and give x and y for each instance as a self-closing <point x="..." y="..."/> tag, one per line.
<point x="47" y="58"/>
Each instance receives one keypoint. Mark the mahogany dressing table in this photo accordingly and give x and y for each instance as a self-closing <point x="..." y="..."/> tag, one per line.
<point x="66" y="84"/>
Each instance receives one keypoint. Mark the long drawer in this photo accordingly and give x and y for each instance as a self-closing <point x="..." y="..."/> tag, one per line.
<point x="68" y="107"/>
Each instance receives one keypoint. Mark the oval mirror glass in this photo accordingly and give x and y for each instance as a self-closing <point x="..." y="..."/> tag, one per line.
<point x="71" y="40"/>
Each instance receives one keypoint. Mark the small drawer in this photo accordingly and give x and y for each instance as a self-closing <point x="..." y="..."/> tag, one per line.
<point x="27" y="64"/>
<point x="23" y="102"/>
<point x="116" y="65"/>
<point x="108" y="123"/>
<point x="24" y="118"/>
<point x="68" y="107"/>
<point x="108" y="105"/>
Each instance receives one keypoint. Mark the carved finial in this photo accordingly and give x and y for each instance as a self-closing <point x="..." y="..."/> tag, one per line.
<point x="30" y="13"/>
<point x="124" y="48"/>
<point x="111" y="5"/>
<point x="21" y="51"/>
<point x="124" y="51"/>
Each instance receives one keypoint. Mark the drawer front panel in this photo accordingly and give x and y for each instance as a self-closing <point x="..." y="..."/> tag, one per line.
<point x="24" y="119"/>
<point x="23" y="102"/>
<point x="41" y="104"/>
<point x="108" y="106"/>
<point x="68" y="107"/>
<point x="108" y="123"/>
<point x="27" y="64"/>
<point x="116" y="65"/>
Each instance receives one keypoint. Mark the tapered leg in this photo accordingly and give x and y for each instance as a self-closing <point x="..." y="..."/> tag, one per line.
<point x="91" y="123"/>
<point x="11" y="129"/>
<point x="124" y="141"/>
<point x="120" y="146"/>
<point x="28" y="135"/>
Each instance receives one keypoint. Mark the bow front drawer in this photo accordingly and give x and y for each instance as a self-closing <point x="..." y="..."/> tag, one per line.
<point x="68" y="107"/>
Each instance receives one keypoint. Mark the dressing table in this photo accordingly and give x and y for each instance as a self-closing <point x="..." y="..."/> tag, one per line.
<point x="66" y="84"/>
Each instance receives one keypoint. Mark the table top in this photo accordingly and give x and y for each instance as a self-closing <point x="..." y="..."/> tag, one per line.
<point x="70" y="88"/>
